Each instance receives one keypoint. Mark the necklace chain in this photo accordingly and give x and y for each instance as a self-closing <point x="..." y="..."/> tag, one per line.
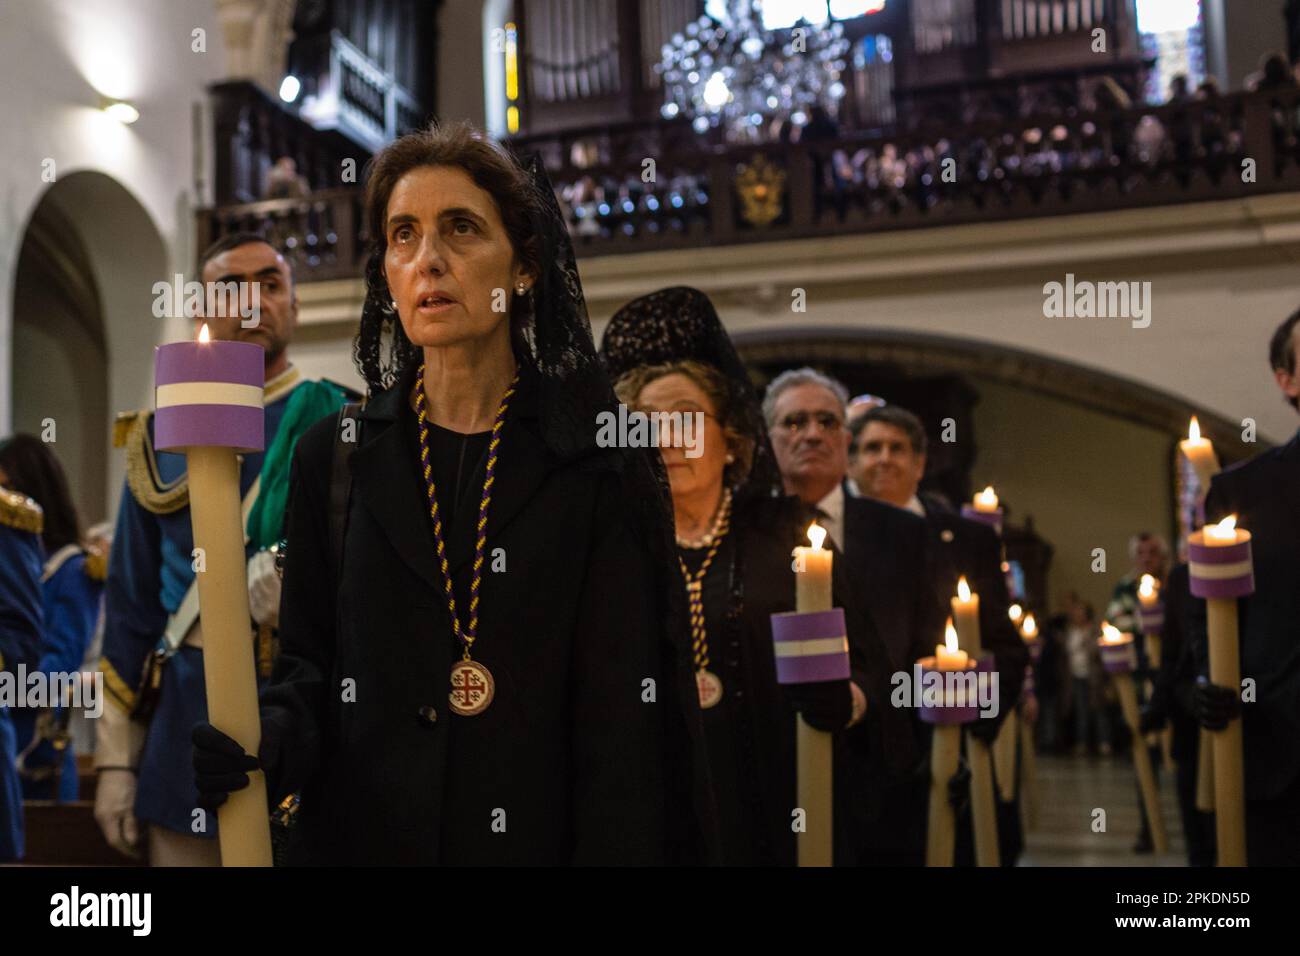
<point x="464" y="636"/>
<point x="695" y="586"/>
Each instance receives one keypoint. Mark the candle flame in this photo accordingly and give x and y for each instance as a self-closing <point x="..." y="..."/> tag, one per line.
<point x="1225" y="530"/>
<point x="1147" y="588"/>
<point x="987" y="497"/>
<point x="203" y="333"/>
<point x="1030" y="628"/>
<point x="1110" y="634"/>
<point x="816" y="534"/>
<point x="950" y="637"/>
<point x="1015" y="612"/>
<point x="1194" y="430"/>
<point x="963" y="589"/>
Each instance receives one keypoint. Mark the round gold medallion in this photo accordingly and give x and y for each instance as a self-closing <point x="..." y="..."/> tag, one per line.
<point x="710" y="688"/>
<point x="472" y="688"/>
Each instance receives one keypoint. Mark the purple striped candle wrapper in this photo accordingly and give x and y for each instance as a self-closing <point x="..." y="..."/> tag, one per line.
<point x="1152" y="618"/>
<point x="963" y="706"/>
<point x="224" y="403"/>
<point x="1119" y="658"/>
<point x="991" y="518"/>
<point x="1220" y="571"/>
<point x="810" y="647"/>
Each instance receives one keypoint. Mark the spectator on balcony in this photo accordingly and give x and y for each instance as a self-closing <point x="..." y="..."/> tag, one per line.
<point x="1179" y="89"/>
<point x="284" y="182"/>
<point x="487" y="567"/>
<point x="1109" y="97"/>
<point x="1275" y="75"/>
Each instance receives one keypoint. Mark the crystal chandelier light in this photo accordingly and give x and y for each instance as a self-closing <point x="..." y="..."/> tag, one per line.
<point x="737" y="75"/>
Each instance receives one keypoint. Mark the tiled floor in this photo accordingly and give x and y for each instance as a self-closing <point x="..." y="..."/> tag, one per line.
<point x="1070" y="790"/>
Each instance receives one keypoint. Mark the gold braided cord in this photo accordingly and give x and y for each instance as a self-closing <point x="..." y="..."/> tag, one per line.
<point x="467" y="635"/>
<point x="695" y="587"/>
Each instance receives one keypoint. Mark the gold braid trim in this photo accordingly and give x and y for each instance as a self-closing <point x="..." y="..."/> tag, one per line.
<point x="118" y="691"/>
<point x="20" y="512"/>
<point x="142" y="473"/>
<point x="96" y="566"/>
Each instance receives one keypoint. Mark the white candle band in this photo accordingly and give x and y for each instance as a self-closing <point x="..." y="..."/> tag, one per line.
<point x="825" y="645"/>
<point x="208" y="393"/>
<point x="1220" y="572"/>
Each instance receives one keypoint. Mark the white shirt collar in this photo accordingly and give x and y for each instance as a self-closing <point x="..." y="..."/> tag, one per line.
<point x="833" y="503"/>
<point x="914" y="505"/>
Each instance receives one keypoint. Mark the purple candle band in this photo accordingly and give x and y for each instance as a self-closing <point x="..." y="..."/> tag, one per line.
<point x="239" y="363"/>
<point x="1119" y="658"/>
<point x="1152" y="619"/>
<point x="238" y="427"/>
<point x="810" y="647"/>
<point x="991" y="518"/>
<point x="1225" y="571"/>
<point x="223" y="426"/>
<point x="964" y="708"/>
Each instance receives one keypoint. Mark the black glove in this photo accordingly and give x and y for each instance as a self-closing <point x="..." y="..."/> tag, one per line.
<point x="825" y="705"/>
<point x="220" y="765"/>
<point x="1149" y="719"/>
<point x="985" y="729"/>
<point x="1215" y="705"/>
<point x="959" y="788"/>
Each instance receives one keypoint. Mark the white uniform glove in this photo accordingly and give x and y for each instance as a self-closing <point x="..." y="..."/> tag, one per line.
<point x="263" y="589"/>
<point x="115" y="810"/>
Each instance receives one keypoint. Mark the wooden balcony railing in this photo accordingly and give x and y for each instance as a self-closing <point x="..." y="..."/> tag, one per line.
<point x="708" y="195"/>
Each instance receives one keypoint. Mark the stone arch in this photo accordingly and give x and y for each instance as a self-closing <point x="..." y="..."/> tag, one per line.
<point x="83" y="327"/>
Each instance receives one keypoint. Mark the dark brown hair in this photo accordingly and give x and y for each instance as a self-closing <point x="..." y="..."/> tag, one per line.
<point x="495" y="170"/>
<point x="32" y="470"/>
<point x="1281" y="350"/>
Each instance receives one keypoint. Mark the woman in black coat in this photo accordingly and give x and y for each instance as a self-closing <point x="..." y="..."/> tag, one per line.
<point x="486" y="677"/>
<point x="735" y="535"/>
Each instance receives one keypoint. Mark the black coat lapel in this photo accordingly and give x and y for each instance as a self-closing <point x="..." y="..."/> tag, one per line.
<point x="386" y="480"/>
<point x="876" y="589"/>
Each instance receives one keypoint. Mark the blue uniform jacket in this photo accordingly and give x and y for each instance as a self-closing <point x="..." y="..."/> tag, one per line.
<point x="71" y="600"/>
<point x="20" y="633"/>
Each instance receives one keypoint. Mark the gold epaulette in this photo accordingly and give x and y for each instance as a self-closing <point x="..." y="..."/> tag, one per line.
<point x="96" y="564"/>
<point x="142" y="476"/>
<point x="122" y="427"/>
<point x="19" y="511"/>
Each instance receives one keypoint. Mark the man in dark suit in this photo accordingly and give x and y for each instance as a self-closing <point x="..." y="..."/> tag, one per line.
<point x="1264" y="494"/>
<point x="1173" y="701"/>
<point x="888" y="466"/>
<point x="880" y="764"/>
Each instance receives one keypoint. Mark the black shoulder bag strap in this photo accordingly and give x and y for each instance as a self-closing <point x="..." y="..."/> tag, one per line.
<point x="341" y="484"/>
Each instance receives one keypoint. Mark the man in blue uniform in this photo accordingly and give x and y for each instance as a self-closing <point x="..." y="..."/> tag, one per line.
<point x="153" y="640"/>
<point x="20" y="639"/>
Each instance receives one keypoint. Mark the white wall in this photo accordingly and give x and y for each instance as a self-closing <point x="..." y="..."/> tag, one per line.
<point x="57" y="57"/>
<point x="1088" y="480"/>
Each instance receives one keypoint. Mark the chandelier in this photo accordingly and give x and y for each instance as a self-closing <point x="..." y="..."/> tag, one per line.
<point x="739" y="76"/>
